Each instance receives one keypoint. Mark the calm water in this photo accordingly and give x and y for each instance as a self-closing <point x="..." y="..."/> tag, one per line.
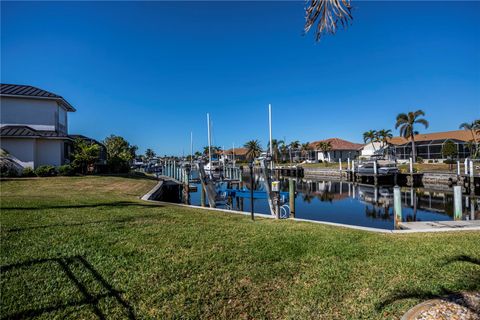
<point x="348" y="203"/>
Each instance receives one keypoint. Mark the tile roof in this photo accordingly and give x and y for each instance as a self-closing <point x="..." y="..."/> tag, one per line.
<point x="462" y="135"/>
<point x="26" y="131"/>
<point x="238" y="151"/>
<point x="32" y="92"/>
<point x="338" y="144"/>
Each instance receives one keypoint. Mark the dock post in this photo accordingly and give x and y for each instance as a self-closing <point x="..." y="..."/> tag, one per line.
<point x="397" y="206"/>
<point x="187" y="185"/>
<point x="202" y="196"/>
<point x="353" y="170"/>
<point x="348" y="164"/>
<point x="375" y="172"/>
<point x="458" y="169"/>
<point x="291" y="196"/>
<point x="465" y="165"/>
<point x="457" y="202"/>
<point x="411" y="165"/>
<point x="471" y="174"/>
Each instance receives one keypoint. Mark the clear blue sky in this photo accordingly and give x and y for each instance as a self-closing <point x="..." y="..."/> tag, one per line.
<point x="150" y="71"/>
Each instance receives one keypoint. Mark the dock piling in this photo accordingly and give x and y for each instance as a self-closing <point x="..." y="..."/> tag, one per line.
<point x="457" y="202"/>
<point x="291" y="196"/>
<point x="397" y="206"/>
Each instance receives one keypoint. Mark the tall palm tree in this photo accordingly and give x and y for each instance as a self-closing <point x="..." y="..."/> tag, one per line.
<point x="149" y="154"/>
<point x="325" y="146"/>
<point x="253" y="149"/>
<point x="276" y="146"/>
<point x="370" y="136"/>
<point x="406" y="122"/>
<point x="327" y="14"/>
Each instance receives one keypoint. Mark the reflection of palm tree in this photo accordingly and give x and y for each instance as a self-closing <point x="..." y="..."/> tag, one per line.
<point x="326" y="196"/>
<point x="308" y="197"/>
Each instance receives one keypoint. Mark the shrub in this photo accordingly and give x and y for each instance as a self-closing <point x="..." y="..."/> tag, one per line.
<point x="419" y="160"/>
<point x="66" y="170"/>
<point x="28" y="172"/>
<point x="450" y="161"/>
<point x="430" y="161"/>
<point x="46" y="171"/>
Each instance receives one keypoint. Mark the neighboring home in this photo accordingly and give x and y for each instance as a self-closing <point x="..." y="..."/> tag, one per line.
<point x="34" y="126"/>
<point x="340" y="149"/>
<point x="239" y="154"/>
<point x="429" y="145"/>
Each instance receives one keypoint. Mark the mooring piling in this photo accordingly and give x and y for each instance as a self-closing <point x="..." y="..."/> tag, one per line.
<point x="457" y="202"/>
<point x="397" y="206"/>
<point x="291" y="196"/>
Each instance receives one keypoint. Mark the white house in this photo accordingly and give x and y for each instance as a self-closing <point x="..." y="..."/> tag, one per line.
<point x="34" y="125"/>
<point x="340" y="150"/>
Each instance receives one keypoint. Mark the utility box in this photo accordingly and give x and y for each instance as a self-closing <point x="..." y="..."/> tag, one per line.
<point x="276" y="186"/>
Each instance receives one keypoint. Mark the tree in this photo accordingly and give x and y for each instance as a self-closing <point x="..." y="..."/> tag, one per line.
<point x="149" y="154"/>
<point x="276" y="148"/>
<point x="474" y="129"/>
<point x="370" y="136"/>
<point x="406" y="122"/>
<point x="253" y="149"/>
<point x="324" y="146"/>
<point x="120" y="153"/>
<point x="449" y="151"/>
<point x="198" y="154"/>
<point x="294" y="145"/>
<point x="327" y="14"/>
<point x="85" y="154"/>
<point x="305" y="149"/>
<point x="384" y="136"/>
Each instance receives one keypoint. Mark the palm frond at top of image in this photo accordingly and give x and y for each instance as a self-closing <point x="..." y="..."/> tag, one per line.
<point x="327" y="15"/>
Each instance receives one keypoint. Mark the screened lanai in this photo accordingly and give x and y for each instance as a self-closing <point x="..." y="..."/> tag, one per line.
<point x="430" y="149"/>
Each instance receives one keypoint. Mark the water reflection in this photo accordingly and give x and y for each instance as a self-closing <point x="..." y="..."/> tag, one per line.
<point x="356" y="204"/>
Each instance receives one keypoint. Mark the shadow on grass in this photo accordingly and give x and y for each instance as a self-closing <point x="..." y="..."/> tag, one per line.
<point x="88" y="299"/>
<point x="77" y="206"/>
<point x="470" y="282"/>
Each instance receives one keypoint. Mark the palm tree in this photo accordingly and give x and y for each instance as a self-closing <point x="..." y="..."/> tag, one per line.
<point x="473" y="128"/>
<point x="327" y="14"/>
<point x="294" y="145"/>
<point x="276" y="145"/>
<point x="305" y="148"/>
<point x="253" y="149"/>
<point x="149" y="154"/>
<point x="406" y="122"/>
<point x="384" y="137"/>
<point x="370" y="136"/>
<point x="325" y="146"/>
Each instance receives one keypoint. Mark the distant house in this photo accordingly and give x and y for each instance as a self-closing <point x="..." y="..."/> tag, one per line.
<point x="429" y="145"/>
<point x="34" y="126"/>
<point x="240" y="154"/>
<point x="340" y="149"/>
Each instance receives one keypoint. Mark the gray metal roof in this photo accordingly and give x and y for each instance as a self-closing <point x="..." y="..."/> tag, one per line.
<point x="26" y="131"/>
<point x="32" y="92"/>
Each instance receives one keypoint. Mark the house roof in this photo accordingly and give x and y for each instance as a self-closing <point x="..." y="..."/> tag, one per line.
<point x="27" y="132"/>
<point x="338" y="144"/>
<point x="238" y="151"/>
<point x="24" y="91"/>
<point x="462" y="135"/>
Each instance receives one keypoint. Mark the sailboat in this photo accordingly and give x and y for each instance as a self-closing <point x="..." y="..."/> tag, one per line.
<point x="212" y="165"/>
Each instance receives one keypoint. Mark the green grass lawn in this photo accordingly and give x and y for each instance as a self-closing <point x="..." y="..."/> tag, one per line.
<point x="86" y="247"/>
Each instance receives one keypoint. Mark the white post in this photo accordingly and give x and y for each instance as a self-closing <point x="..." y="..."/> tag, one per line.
<point x="457" y="202"/>
<point x="397" y="205"/>
<point x="340" y="164"/>
<point x="411" y="165"/>
<point x="209" y="141"/>
<point x="348" y="164"/>
<point x="375" y="167"/>
<point x="465" y="164"/>
<point x="458" y="168"/>
<point x="191" y="149"/>
<point x="471" y="173"/>
<point x="353" y="166"/>
<point x="270" y="131"/>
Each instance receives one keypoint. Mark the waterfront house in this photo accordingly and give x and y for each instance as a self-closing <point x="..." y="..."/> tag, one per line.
<point x="340" y="150"/>
<point x="34" y="126"/>
<point x="239" y="154"/>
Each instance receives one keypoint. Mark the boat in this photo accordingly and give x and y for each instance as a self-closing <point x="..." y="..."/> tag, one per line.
<point x="384" y="167"/>
<point x="213" y="166"/>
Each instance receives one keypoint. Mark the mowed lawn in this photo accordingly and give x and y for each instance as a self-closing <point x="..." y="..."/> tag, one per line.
<point x="88" y="248"/>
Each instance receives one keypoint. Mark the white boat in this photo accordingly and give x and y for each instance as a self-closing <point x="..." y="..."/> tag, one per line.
<point x="213" y="166"/>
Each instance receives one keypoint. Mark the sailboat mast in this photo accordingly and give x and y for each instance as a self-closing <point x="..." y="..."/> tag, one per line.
<point x="209" y="140"/>
<point x="270" y="131"/>
<point x="191" y="149"/>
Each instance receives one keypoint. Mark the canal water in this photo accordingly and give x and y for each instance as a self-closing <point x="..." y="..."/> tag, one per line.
<point x="353" y="204"/>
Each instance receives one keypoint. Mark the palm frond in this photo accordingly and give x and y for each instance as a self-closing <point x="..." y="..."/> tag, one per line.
<point x="327" y="14"/>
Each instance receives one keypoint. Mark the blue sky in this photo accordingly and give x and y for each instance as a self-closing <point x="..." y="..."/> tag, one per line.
<point x="150" y="71"/>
